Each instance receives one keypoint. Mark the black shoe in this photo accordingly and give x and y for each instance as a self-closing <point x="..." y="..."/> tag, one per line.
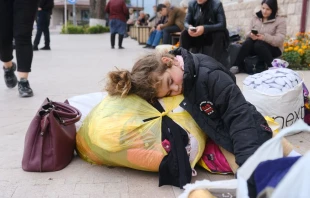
<point x="153" y="47"/>
<point x="112" y="47"/>
<point x="45" y="48"/>
<point x="147" y="46"/>
<point x="9" y="76"/>
<point x="24" y="88"/>
<point x="35" y="48"/>
<point x="121" y="47"/>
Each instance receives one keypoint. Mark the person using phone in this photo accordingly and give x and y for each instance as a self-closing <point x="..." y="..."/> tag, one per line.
<point x="265" y="38"/>
<point x="205" y="28"/>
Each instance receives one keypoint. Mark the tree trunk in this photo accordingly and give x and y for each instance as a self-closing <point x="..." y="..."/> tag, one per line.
<point x="97" y="9"/>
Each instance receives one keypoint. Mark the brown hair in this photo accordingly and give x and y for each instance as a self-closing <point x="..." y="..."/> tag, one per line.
<point x="143" y="80"/>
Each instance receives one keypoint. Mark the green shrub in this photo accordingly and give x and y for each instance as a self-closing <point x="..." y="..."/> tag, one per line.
<point x="97" y="29"/>
<point x="71" y="29"/>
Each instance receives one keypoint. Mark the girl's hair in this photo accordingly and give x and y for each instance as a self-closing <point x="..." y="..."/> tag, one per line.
<point x="143" y="80"/>
<point x="273" y="5"/>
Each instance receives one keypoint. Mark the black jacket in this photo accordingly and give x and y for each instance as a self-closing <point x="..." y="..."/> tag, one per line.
<point x="210" y="14"/>
<point x="214" y="100"/>
<point x="46" y="5"/>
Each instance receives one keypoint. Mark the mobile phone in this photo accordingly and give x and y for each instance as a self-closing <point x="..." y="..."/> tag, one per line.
<point x="254" y="31"/>
<point x="193" y="29"/>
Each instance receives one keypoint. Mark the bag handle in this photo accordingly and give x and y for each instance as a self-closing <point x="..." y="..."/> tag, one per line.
<point x="63" y="110"/>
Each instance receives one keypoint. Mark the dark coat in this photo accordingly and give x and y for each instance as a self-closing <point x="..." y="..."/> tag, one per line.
<point x="210" y="14"/>
<point x="47" y="5"/>
<point x="117" y="9"/>
<point x="216" y="103"/>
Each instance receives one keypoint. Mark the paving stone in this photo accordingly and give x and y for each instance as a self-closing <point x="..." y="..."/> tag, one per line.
<point x="78" y="64"/>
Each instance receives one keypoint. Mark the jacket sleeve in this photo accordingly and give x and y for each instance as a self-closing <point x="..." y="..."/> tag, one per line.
<point x="277" y="40"/>
<point x="171" y="19"/>
<point x="221" y="21"/>
<point x="42" y="3"/>
<point x="236" y="114"/>
<point x="107" y="8"/>
<point x="189" y="18"/>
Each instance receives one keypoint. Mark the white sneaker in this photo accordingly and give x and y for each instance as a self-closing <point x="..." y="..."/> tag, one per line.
<point x="234" y="69"/>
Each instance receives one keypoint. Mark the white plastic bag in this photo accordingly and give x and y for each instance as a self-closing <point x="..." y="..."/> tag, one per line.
<point x="270" y="150"/>
<point x="285" y="108"/>
<point x="85" y="103"/>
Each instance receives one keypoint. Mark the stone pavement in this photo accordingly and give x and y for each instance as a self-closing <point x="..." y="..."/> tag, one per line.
<point x="77" y="65"/>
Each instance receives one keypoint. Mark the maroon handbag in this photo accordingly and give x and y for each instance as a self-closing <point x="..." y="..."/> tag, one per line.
<point x="50" y="139"/>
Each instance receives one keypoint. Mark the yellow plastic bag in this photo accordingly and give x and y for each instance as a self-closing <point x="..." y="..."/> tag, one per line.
<point x="127" y="132"/>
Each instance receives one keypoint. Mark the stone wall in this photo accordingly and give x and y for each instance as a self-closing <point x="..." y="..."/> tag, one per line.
<point x="240" y="12"/>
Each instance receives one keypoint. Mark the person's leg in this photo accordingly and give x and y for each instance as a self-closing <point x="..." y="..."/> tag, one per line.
<point x="40" y="28"/>
<point x="246" y="49"/>
<point x="150" y="39"/>
<point x="24" y="14"/>
<point x="167" y="31"/>
<point x="266" y="52"/>
<point x="46" y="30"/>
<point x="112" y="32"/>
<point x="6" y="43"/>
<point x="158" y="36"/>
<point x="218" y="44"/>
<point x="121" y="33"/>
<point x="186" y="41"/>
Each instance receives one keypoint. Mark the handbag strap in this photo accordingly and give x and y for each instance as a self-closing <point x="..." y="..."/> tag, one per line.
<point x="67" y="111"/>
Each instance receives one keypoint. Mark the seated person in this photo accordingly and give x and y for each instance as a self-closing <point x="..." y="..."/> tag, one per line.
<point x="265" y="38"/>
<point x="184" y="5"/>
<point x="207" y="17"/>
<point x="175" y="21"/>
<point x="155" y="18"/>
<point x="155" y="34"/>
<point x="141" y="19"/>
<point x="132" y="19"/>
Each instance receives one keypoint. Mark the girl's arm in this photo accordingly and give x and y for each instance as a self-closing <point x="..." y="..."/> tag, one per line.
<point x="244" y="123"/>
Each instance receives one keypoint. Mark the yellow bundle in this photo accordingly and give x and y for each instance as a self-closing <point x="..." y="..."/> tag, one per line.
<point x="127" y="132"/>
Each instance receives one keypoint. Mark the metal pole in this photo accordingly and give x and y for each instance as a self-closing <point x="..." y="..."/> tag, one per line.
<point x="65" y="10"/>
<point x="74" y="14"/>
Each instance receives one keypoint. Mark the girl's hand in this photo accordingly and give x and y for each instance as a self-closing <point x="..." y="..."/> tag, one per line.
<point x="260" y="37"/>
<point x="253" y="36"/>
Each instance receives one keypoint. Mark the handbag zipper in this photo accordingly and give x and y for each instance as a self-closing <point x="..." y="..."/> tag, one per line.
<point x="42" y="135"/>
<point x="211" y="158"/>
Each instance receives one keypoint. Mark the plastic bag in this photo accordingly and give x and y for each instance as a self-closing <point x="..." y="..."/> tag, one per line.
<point x="270" y="93"/>
<point x="127" y="132"/>
<point x="270" y="150"/>
<point x="85" y="103"/>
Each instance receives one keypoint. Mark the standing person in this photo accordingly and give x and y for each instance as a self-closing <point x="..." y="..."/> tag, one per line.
<point x="205" y="25"/>
<point x="175" y="21"/>
<point x="211" y="97"/>
<point x="265" y="37"/>
<point x="16" y="21"/>
<point x="43" y="22"/>
<point x="118" y="14"/>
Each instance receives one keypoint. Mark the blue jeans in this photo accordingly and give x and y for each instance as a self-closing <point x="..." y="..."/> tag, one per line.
<point x="154" y="38"/>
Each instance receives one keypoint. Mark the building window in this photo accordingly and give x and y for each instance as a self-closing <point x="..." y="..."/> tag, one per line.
<point x="85" y="15"/>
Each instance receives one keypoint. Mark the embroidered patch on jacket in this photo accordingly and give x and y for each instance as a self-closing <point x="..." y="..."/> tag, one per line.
<point x="266" y="128"/>
<point x="207" y="107"/>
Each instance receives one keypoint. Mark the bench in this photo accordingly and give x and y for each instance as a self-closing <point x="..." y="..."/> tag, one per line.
<point x="175" y="37"/>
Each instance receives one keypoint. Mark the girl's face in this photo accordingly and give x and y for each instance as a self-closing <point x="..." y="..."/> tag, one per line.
<point x="172" y="81"/>
<point x="266" y="10"/>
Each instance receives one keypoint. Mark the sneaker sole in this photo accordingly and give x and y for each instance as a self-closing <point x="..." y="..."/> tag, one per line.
<point x="25" y="95"/>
